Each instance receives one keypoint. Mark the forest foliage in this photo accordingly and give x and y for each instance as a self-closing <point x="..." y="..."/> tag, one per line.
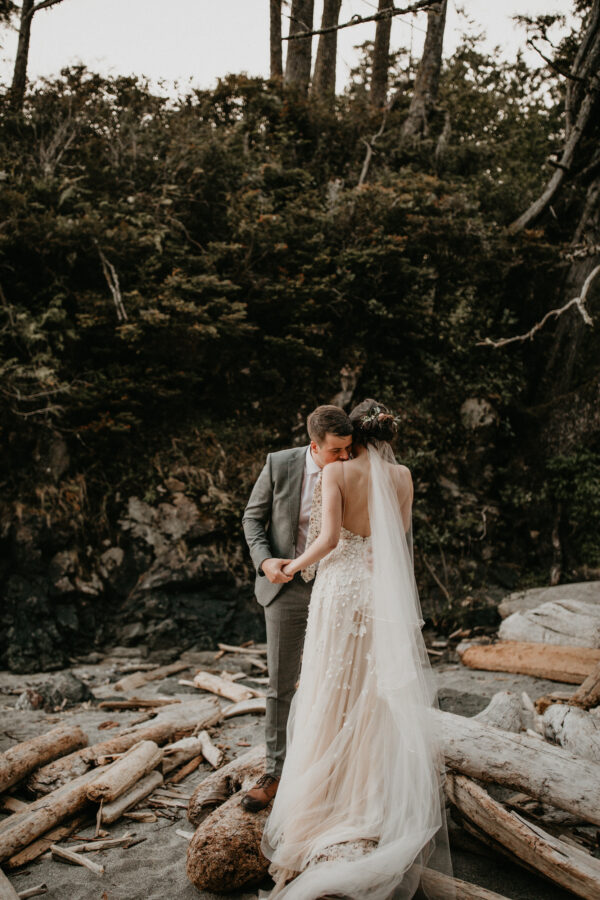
<point x="182" y="280"/>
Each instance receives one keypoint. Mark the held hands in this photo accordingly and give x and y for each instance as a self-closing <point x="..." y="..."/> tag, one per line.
<point x="273" y="569"/>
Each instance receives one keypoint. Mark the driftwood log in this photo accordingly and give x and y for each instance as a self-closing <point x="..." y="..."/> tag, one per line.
<point x="23" y="758"/>
<point x="42" y="844"/>
<point x="121" y="775"/>
<point x="176" y="754"/>
<point x="179" y="717"/>
<point x="570" y="665"/>
<point x="520" y="601"/>
<point x="572" y="623"/>
<point x="206" y="681"/>
<point x="520" y="761"/>
<point x="577" y="730"/>
<point x="588" y="694"/>
<point x="524" y="843"/>
<point x="224" y="854"/>
<point x="20" y="829"/>
<point x="508" y="711"/>
<point x="139" y="679"/>
<point x="144" y="787"/>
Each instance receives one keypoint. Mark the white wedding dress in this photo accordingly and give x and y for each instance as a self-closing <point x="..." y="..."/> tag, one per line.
<point x="359" y="808"/>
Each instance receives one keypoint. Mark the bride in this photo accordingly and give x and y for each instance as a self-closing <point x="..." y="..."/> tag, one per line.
<point x="359" y="810"/>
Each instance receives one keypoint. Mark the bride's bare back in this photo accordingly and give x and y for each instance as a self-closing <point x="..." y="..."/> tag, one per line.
<point x="353" y="480"/>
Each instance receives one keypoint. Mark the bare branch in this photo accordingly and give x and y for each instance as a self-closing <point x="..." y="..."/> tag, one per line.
<point x="564" y="164"/>
<point x="112" y="279"/>
<point x="370" y="146"/>
<point x="43" y="4"/>
<point x="579" y="302"/>
<point x="360" y="20"/>
<point x="553" y="65"/>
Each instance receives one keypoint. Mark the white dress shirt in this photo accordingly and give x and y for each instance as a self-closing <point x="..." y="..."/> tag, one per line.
<point x="309" y="480"/>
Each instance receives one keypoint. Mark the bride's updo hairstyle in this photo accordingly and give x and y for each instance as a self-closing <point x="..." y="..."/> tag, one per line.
<point x="372" y="421"/>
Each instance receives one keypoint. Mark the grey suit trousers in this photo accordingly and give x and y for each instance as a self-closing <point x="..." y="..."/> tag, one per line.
<point x="285" y="619"/>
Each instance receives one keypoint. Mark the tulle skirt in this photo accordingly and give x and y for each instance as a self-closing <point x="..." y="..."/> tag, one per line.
<point x="359" y="799"/>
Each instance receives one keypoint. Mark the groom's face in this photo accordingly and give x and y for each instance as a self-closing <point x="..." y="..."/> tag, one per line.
<point x="332" y="449"/>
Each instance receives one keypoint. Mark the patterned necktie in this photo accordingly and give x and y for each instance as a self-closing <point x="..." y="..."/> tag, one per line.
<point x="314" y="527"/>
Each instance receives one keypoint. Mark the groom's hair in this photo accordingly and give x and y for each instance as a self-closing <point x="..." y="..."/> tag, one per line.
<point x="328" y="420"/>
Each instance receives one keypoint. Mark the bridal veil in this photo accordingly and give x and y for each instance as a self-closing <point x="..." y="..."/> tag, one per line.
<point x="379" y="847"/>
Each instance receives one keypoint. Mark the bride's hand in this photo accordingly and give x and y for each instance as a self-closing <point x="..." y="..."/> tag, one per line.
<point x="289" y="569"/>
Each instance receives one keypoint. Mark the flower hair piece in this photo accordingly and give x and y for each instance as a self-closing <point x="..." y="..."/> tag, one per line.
<point x="376" y="413"/>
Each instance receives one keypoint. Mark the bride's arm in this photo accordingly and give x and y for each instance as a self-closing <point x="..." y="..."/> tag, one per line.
<point x="331" y="521"/>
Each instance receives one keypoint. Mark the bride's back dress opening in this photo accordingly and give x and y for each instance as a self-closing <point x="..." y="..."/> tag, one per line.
<point x="359" y="808"/>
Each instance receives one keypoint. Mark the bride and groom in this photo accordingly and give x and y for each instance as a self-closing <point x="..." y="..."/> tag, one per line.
<point x="352" y="763"/>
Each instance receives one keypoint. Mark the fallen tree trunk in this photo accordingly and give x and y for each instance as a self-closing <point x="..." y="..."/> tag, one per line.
<point x="577" y="730"/>
<point x="519" y="601"/>
<point x="506" y="710"/>
<point x="42" y="844"/>
<point x="20" y="829"/>
<point x="440" y="887"/>
<point x="119" y="776"/>
<point x="525" y="763"/>
<point x="224" y="855"/>
<point x="220" y="785"/>
<point x="524" y="842"/>
<point x="144" y="787"/>
<point x="570" y="665"/>
<point x="570" y="623"/>
<point x="179" y="717"/>
<point x="23" y="758"/>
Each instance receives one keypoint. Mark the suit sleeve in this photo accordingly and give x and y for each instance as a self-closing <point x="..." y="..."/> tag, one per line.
<point x="257" y="515"/>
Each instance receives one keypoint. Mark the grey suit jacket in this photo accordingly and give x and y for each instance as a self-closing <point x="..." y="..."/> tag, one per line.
<point x="271" y="517"/>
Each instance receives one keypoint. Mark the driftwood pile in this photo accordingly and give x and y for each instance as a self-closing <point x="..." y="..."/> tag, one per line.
<point x="523" y="778"/>
<point x="77" y="784"/>
<point x="548" y="751"/>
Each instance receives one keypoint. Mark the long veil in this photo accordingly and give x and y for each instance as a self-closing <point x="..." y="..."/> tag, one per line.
<point x="379" y="847"/>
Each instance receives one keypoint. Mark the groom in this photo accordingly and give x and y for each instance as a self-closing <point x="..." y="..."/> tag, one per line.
<point x="275" y="525"/>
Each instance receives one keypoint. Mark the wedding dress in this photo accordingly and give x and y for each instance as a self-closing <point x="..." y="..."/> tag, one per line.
<point x="359" y="810"/>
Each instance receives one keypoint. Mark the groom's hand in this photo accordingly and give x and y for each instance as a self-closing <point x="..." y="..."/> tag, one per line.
<point x="273" y="569"/>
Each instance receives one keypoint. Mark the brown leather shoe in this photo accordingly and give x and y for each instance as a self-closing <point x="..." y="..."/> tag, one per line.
<point x="261" y="794"/>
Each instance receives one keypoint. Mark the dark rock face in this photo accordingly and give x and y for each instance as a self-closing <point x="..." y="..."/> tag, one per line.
<point x="164" y="583"/>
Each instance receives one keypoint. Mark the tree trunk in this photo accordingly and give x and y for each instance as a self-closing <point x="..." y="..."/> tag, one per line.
<point x="297" y="64"/>
<point x="522" y="841"/>
<point x="143" y="788"/>
<point x="121" y="775"/>
<point x="323" y="83"/>
<point x="522" y="762"/>
<point x="276" y="58"/>
<point x="19" y="82"/>
<point x="572" y="623"/>
<point x="20" y="760"/>
<point x="561" y="369"/>
<point x="381" y="57"/>
<point x="428" y="76"/>
<point x="569" y="665"/>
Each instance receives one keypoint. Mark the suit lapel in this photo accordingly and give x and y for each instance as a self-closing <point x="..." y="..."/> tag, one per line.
<point x="295" y="475"/>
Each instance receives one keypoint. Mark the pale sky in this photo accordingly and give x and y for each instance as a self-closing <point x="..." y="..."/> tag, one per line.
<point x="193" y="42"/>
